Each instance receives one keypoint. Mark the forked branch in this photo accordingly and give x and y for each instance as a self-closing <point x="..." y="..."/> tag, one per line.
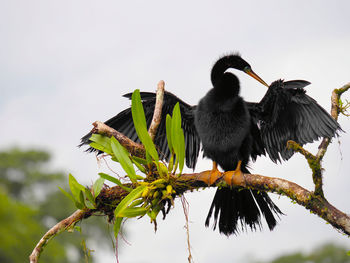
<point x="315" y="201"/>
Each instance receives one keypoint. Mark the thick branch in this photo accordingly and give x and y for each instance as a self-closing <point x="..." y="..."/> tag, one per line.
<point x="315" y="203"/>
<point x="109" y="198"/>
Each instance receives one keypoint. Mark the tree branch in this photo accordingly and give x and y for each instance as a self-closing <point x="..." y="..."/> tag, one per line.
<point x="335" y="111"/>
<point x="109" y="198"/>
<point x="134" y="148"/>
<point x="315" y="161"/>
<point x="310" y="200"/>
<point x="59" y="227"/>
<point x="157" y="115"/>
<point x="315" y="201"/>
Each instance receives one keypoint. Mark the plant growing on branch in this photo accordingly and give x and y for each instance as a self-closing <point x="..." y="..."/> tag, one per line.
<point x="153" y="188"/>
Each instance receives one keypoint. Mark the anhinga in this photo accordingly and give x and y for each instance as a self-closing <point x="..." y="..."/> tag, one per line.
<point x="233" y="131"/>
<point x="224" y="125"/>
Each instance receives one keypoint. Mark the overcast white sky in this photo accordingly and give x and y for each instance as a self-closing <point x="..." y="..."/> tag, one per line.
<point x="65" y="64"/>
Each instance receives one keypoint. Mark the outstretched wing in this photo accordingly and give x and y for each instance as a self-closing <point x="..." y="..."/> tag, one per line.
<point x="287" y="113"/>
<point x="123" y="123"/>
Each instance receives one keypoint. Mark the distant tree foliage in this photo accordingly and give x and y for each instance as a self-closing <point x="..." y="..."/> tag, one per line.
<point x="30" y="202"/>
<point x="327" y="253"/>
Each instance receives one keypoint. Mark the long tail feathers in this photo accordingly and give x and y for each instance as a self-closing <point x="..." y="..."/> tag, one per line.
<point x="231" y="206"/>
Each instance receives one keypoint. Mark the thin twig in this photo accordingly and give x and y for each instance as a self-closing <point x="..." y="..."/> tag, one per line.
<point x="185" y="207"/>
<point x="335" y="111"/>
<point x="59" y="227"/>
<point x="298" y="148"/>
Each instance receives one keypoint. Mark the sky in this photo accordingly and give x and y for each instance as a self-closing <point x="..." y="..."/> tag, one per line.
<point x="65" y="64"/>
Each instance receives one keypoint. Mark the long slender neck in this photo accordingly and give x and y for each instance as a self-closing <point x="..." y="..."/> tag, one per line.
<point x="222" y="65"/>
<point x="227" y="86"/>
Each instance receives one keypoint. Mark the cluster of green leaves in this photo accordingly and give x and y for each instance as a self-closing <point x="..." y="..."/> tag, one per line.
<point x="82" y="196"/>
<point x="149" y="192"/>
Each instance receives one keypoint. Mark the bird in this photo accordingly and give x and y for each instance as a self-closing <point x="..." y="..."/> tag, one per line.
<point x="223" y="123"/>
<point x="232" y="132"/>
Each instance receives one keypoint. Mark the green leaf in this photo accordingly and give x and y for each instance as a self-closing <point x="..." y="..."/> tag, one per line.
<point x="168" y="132"/>
<point x="153" y="213"/>
<point x="177" y="137"/>
<point x="139" y="166"/>
<point x="148" y="158"/>
<point x="102" y="143"/>
<point x="114" y="159"/>
<point x="67" y="194"/>
<point x="82" y="198"/>
<point x="137" y="202"/>
<point x="97" y="187"/>
<point x="139" y="177"/>
<point x="137" y="111"/>
<point x="120" y="152"/>
<point x="77" y="228"/>
<point x="139" y="119"/>
<point x="171" y="162"/>
<point x="89" y="205"/>
<point x="117" y="225"/>
<point x="176" y="120"/>
<point x="140" y="160"/>
<point x="100" y="148"/>
<point x="133" y="212"/>
<point x="181" y="142"/>
<point x="75" y="187"/>
<point x="134" y="194"/>
<point x="90" y="198"/>
<point x="114" y="180"/>
<point x="175" y="126"/>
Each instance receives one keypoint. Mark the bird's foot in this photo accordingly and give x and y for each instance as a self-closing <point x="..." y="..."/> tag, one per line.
<point x="235" y="177"/>
<point x="210" y="176"/>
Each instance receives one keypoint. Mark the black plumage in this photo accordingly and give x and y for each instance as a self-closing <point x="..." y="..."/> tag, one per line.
<point x="123" y="123"/>
<point x="285" y="113"/>
<point x="223" y="123"/>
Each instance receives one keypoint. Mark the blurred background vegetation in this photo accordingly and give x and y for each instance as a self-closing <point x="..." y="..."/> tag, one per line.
<point x="327" y="253"/>
<point x="31" y="203"/>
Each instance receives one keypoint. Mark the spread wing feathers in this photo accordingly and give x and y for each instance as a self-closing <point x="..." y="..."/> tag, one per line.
<point x="123" y="123"/>
<point x="287" y="113"/>
<point x="258" y="147"/>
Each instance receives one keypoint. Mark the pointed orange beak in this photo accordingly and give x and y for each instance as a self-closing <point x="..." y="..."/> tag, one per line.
<point x="251" y="73"/>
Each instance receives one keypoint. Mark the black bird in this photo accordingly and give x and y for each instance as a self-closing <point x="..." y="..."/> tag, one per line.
<point x="233" y="131"/>
<point x="224" y="125"/>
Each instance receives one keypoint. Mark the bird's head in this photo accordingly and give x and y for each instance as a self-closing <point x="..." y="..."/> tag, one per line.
<point x="232" y="61"/>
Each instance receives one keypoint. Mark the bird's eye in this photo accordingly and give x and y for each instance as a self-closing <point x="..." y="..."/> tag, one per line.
<point x="247" y="68"/>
